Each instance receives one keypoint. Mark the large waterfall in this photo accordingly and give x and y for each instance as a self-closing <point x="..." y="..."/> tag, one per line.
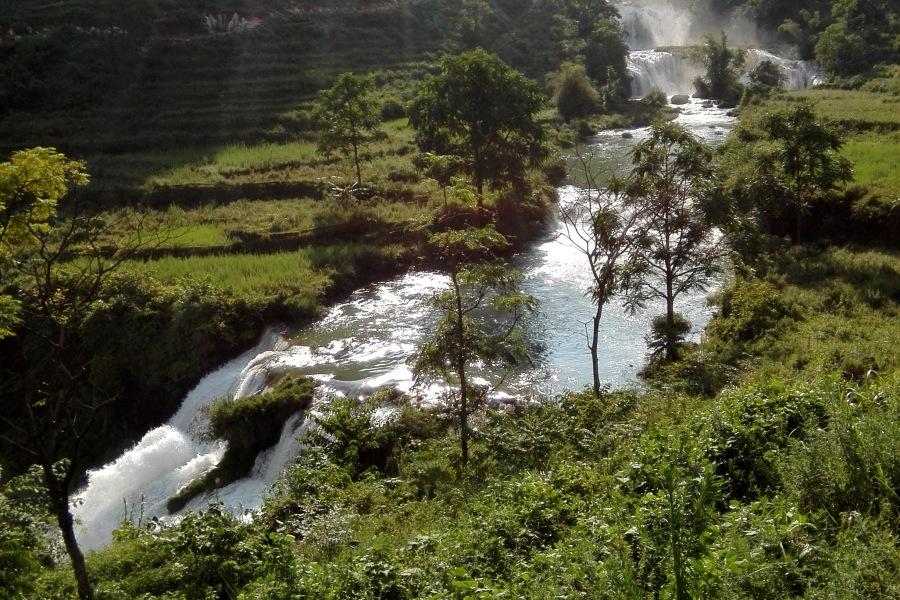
<point x="674" y="72"/>
<point x="653" y="24"/>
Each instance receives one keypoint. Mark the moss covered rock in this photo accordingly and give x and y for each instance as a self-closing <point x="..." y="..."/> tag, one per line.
<point x="249" y="426"/>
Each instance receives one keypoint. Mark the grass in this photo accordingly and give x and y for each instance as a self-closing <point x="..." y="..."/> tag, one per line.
<point x="849" y="107"/>
<point x="876" y="161"/>
<point x="245" y="274"/>
<point x="307" y="273"/>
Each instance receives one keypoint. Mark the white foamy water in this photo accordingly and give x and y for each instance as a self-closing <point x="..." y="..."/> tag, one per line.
<point x="651" y="24"/>
<point x="674" y="72"/>
<point x="166" y="459"/>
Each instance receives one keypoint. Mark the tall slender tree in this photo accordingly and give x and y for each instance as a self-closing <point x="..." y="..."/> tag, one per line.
<point x="463" y="340"/>
<point x="607" y="229"/>
<point x="348" y="117"/>
<point x="682" y="249"/>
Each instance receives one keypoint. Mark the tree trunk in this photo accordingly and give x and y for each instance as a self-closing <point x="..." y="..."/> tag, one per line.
<point x="461" y="373"/>
<point x="463" y="415"/>
<point x="595" y="341"/>
<point x="59" y="499"/>
<point x="671" y="353"/>
<point x="356" y="162"/>
<point x="479" y="184"/>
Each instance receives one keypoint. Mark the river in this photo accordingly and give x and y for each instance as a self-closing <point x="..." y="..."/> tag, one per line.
<point x="365" y="342"/>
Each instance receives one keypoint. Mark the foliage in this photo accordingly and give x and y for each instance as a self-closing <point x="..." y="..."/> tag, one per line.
<point x="481" y="110"/>
<point x="766" y="78"/>
<point x="254" y="423"/>
<point x="573" y="92"/>
<point x="664" y="336"/>
<point x="348" y="118"/>
<point x="680" y="249"/>
<point x="808" y="156"/>
<point x="32" y="183"/>
<point x="24" y="524"/>
<point x="724" y="67"/>
<point x="462" y="341"/>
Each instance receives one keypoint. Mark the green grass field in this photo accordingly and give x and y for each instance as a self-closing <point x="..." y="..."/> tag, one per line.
<point x="876" y="162"/>
<point x="245" y="274"/>
<point x="850" y="106"/>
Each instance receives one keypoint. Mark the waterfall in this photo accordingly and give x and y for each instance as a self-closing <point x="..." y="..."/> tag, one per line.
<point x="652" y="25"/>
<point x="168" y="457"/>
<point x="674" y="73"/>
<point x="799" y="74"/>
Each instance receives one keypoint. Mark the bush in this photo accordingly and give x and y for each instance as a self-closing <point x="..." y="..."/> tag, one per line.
<point x="655" y="98"/>
<point x="662" y="337"/>
<point x="392" y="109"/>
<point x="574" y="94"/>
<point x="254" y="423"/>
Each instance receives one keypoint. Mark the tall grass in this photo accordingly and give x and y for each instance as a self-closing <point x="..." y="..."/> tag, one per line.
<point x="265" y="155"/>
<point x="246" y="274"/>
<point x="851" y="106"/>
<point x="877" y="162"/>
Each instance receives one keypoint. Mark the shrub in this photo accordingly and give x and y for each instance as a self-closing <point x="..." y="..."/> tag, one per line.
<point x="656" y="98"/>
<point x="574" y="94"/>
<point x="392" y="109"/>
<point x="662" y="337"/>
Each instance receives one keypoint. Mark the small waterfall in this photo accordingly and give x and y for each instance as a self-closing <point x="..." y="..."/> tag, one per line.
<point x="799" y="74"/>
<point x="168" y="457"/>
<point x="672" y="73"/>
<point x="248" y="493"/>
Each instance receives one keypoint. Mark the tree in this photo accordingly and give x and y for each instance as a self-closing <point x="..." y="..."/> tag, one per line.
<point x="606" y="228"/>
<point x="348" y="117"/>
<point x="808" y="159"/>
<point x="462" y="341"/>
<point x="605" y="59"/>
<point x="764" y="79"/>
<point x="57" y="271"/>
<point x="842" y="51"/>
<point x="723" y="70"/>
<point x="681" y="249"/>
<point x="31" y="184"/>
<point x="573" y="92"/>
<point x="483" y="111"/>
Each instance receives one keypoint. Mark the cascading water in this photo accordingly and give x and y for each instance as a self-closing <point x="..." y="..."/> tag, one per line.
<point x="674" y="72"/>
<point x="651" y="24"/>
<point x="654" y="24"/>
<point x="799" y="74"/>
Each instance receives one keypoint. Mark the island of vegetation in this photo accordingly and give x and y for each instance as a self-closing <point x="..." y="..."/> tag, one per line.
<point x="176" y="175"/>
